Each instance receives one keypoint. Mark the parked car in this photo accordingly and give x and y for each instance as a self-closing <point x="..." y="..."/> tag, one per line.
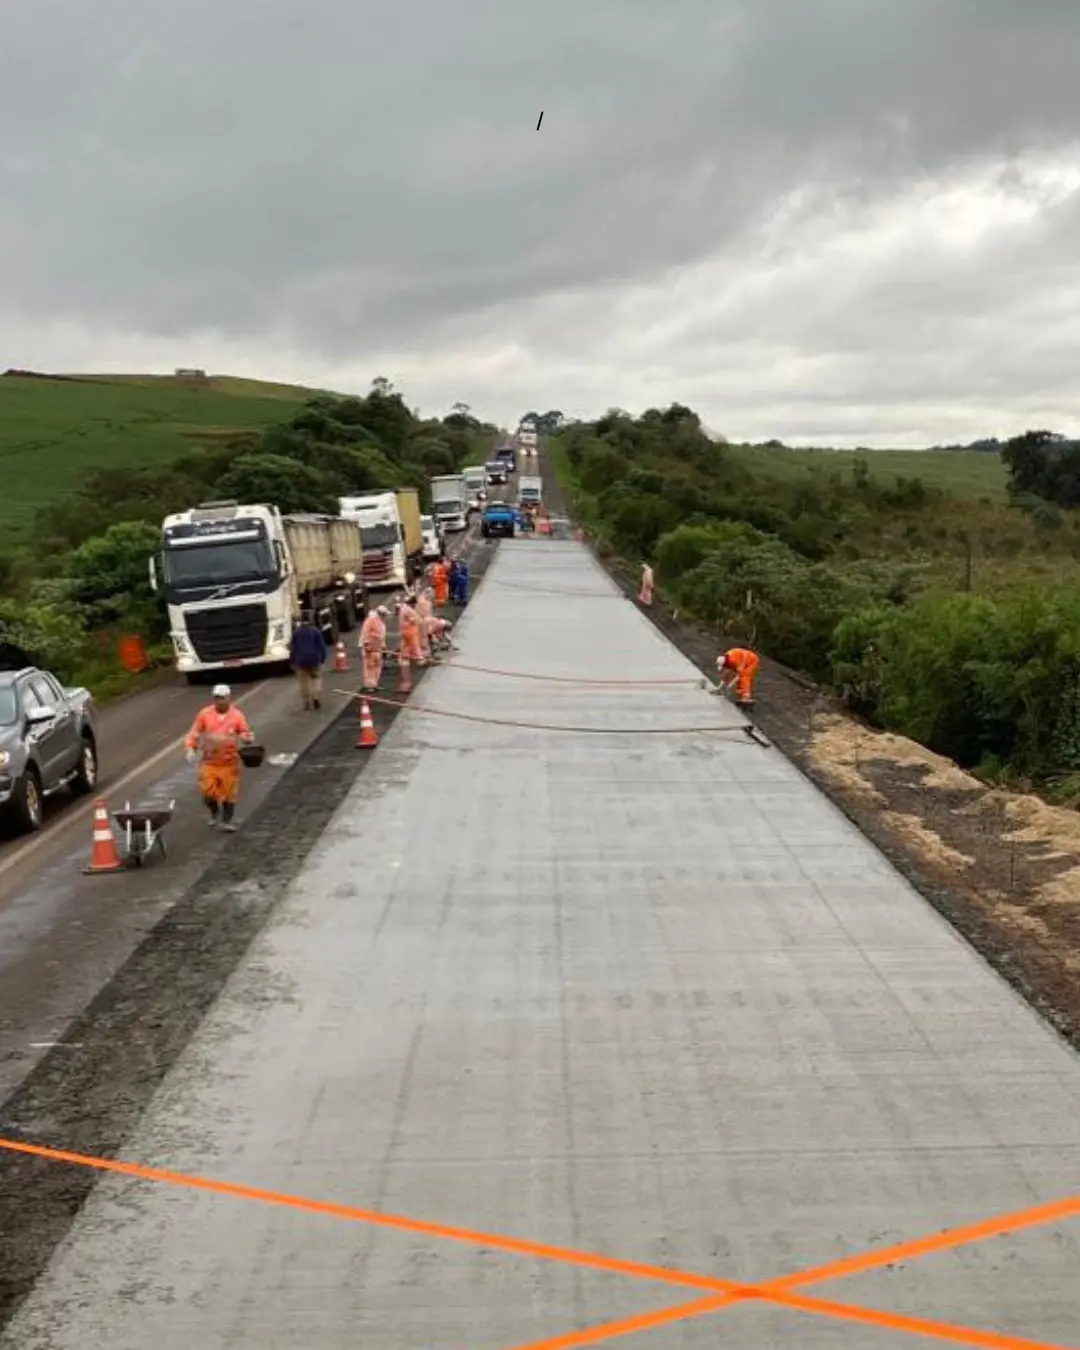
<point x="48" y="742"/>
<point x="433" y="540"/>
<point x="497" y="521"/>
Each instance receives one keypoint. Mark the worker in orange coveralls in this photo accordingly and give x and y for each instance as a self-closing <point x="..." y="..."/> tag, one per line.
<point x="645" y="594"/>
<point x="739" y="667"/>
<point x="218" y="731"/>
<point x="440" y="580"/>
<point x="409" y="648"/>
<point x="373" y="648"/>
<point x="425" y="612"/>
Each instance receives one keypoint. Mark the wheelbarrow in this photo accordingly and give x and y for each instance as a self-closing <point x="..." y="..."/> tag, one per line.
<point x="143" y="830"/>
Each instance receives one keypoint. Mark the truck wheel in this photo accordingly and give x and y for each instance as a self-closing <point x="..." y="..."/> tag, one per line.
<point x="28" y="804"/>
<point x="346" y="616"/>
<point x="86" y="775"/>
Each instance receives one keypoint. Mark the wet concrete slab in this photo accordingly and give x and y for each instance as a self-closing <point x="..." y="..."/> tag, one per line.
<point x="635" y="991"/>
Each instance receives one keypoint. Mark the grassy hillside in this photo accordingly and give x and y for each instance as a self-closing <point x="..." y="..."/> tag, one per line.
<point x="52" y="431"/>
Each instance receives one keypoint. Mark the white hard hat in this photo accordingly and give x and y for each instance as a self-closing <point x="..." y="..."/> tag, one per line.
<point x="221" y="691"/>
<point x="383" y="611"/>
<point x="721" y="660"/>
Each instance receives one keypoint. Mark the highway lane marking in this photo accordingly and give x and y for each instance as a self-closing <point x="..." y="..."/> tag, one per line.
<point x="776" y="1291"/>
<point x="51" y="833"/>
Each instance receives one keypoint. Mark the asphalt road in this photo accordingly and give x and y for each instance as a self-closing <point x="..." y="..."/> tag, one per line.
<point x="561" y="1019"/>
<point x="64" y="935"/>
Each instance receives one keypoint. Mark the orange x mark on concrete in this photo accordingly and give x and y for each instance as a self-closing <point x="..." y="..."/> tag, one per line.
<point x="723" y="1293"/>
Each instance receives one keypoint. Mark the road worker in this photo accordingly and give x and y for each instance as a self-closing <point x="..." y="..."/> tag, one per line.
<point x="440" y="580"/>
<point x="739" y="667"/>
<point x="440" y="635"/>
<point x="463" y="584"/>
<point x="425" y="612"/>
<point x="218" y="731"/>
<point x="409" y="648"/>
<point x="373" y="648"/>
<point x="645" y="594"/>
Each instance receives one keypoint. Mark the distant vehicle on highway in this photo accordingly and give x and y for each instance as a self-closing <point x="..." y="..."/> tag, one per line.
<point x="508" y="455"/>
<point x="450" y="502"/>
<point x="475" y="485"/>
<point x="48" y="741"/>
<point x="531" y="491"/>
<point x="497" y="521"/>
<point x="496" y="471"/>
<point x="433" y="542"/>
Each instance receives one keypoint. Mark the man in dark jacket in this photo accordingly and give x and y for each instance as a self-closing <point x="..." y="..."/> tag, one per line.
<point x="307" y="656"/>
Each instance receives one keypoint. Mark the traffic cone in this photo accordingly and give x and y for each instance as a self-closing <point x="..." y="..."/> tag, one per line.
<point x="404" y="682"/>
<point x="341" y="659"/>
<point x="368" y="737"/>
<point x="103" y="855"/>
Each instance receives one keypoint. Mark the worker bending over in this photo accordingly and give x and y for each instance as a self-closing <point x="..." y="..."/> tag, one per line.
<point x="373" y="648"/>
<point x="739" y="667"/>
<point x="218" y="731"/>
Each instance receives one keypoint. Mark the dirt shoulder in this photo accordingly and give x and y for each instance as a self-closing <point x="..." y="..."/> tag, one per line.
<point x="1003" y="868"/>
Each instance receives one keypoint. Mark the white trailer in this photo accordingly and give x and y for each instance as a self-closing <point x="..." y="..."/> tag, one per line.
<point x="237" y="578"/>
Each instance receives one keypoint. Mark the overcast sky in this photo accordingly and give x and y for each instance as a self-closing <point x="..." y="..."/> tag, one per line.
<point x="832" y="221"/>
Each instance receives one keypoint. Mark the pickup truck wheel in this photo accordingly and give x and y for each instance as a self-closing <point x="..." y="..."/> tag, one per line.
<point x="86" y="775"/>
<point x="28" y="803"/>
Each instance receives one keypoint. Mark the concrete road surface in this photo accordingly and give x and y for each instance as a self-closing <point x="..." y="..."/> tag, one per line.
<point x="642" y="993"/>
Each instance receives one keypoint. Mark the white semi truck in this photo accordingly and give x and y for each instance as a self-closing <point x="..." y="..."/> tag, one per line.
<point x="237" y="577"/>
<point x="450" y="502"/>
<point x="392" y="536"/>
<point x="475" y="476"/>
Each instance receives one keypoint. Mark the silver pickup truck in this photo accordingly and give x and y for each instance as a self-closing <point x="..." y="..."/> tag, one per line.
<point x="48" y="741"/>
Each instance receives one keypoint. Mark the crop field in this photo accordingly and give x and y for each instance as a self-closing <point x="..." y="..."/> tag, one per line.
<point x="963" y="473"/>
<point x="53" y="431"/>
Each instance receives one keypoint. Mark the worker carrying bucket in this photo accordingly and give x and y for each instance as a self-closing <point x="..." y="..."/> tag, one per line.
<point x="739" y="667"/>
<point x="218" y="732"/>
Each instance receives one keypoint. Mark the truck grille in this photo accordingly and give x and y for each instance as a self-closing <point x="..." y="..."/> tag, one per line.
<point x="236" y="633"/>
<point x="376" y="567"/>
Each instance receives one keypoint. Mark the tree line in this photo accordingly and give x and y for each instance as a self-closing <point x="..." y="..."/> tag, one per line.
<point x="836" y="574"/>
<point x="82" y="580"/>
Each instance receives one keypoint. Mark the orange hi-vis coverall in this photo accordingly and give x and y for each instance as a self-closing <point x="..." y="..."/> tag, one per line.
<point x="740" y="668"/>
<point x="645" y="593"/>
<point x="372" y="648"/>
<point x="409" y="625"/>
<point x="440" y="579"/>
<point x="218" y="735"/>
<point x="425" y="612"/>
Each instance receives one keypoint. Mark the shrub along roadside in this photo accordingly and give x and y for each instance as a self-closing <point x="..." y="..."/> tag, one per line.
<point x="66" y="599"/>
<point x="796" y="570"/>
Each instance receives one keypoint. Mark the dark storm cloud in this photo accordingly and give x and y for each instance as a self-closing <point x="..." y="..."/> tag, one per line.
<point x="339" y="176"/>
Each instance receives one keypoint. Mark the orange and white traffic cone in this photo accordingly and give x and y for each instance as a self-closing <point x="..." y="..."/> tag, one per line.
<point x="368" y="737"/>
<point x="341" y="659"/>
<point x="404" y="683"/>
<point x="103" y="855"/>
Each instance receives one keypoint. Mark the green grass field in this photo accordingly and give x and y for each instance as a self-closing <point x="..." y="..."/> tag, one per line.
<point x="963" y="473"/>
<point x="52" y="432"/>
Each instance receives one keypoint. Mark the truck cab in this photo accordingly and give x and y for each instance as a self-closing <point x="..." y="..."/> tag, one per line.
<point x="382" y="532"/>
<point x="531" y="492"/>
<point x="475" y="476"/>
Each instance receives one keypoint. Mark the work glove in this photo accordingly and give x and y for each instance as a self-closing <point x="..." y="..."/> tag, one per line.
<point x="190" y="756"/>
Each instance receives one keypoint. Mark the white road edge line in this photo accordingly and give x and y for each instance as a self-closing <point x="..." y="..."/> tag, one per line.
<point x="47" y="836"/>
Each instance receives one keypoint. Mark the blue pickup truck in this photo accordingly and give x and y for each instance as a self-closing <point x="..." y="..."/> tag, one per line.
<point x="497" y="521"/>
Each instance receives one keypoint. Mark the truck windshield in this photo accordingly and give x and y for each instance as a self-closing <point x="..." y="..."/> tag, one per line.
<point x="8" y="709"/>
<point x="218" y="563"/>
<point x="382" y="535"/>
